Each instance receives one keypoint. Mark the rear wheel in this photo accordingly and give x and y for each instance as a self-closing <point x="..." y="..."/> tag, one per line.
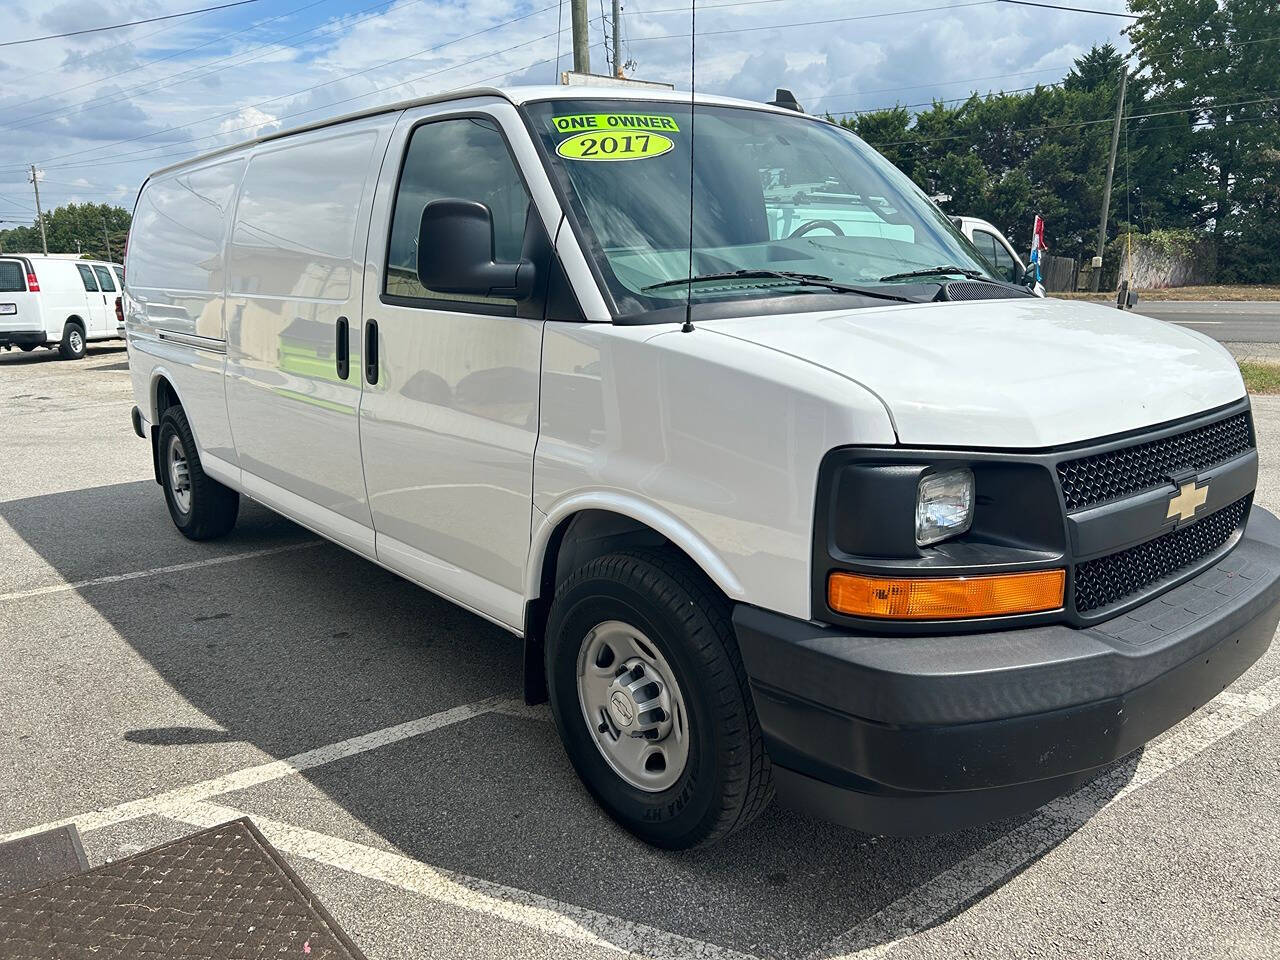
<point x="201" y="508"/>
<point x="71" y="346"/>
<point x="651" y="699"/>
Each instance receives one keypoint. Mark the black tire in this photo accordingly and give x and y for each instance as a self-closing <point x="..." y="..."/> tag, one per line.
<point x="726" y="782"/>
<point x="72" y="344"/>
<point x="211" y="507"/>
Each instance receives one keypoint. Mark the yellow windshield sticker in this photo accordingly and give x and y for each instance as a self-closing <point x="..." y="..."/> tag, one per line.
<point x="610" y="146"/>
<point x="614" y="123"/>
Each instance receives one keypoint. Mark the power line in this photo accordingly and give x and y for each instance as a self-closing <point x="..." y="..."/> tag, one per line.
<point x="102" y="51"/>
<point x="286" y="96"/>
<point x="816" y="23"/>
<point x="937" y="83"/>
<point x="17" y="204"/>
<point x="432" y="49"/>
<point x="160" y="83"/>
<point x="131" y="23"/>
<point x="930" y="103"/>
<point x="139" y="155"/>
<point x="1054" y="6"/>
<point x="155" y="60"/>
<point x="1087" y="123"/>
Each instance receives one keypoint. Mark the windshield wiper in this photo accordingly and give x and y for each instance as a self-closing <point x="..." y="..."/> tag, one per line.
<point x="934" y="271"/>
<point x="800" y="279"/>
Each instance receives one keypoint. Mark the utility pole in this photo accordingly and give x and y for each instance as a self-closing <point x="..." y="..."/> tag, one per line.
<point x="617" y="38"/>
<point x="581" y="41"/>
<point x="106" y="237"/>
<point x="35" y="182"/>
<point x="1095" y="275"/>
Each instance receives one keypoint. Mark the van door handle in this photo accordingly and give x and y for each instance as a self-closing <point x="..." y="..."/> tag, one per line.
<point x="342" y="353"/>
<point x="371" y="351"/>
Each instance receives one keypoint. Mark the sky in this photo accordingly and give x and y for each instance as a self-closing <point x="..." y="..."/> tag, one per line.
<point x="97" y="112"/>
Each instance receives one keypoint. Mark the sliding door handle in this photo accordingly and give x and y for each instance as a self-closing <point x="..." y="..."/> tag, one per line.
<point x="342" y="349"/>
<point x="371" y="351"/>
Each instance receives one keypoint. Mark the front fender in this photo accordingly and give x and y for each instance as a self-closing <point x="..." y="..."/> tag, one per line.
<point x="636" y="508"/>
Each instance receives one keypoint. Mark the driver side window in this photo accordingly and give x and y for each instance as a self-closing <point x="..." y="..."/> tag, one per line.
<point x="464" y="159"/>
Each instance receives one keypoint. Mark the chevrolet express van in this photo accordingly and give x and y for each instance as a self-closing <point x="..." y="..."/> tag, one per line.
<point x="801" y="501"/>
<point x="57" y="302"/>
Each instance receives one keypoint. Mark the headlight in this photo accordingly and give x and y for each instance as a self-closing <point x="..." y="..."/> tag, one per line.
<point x="944" y="505"/>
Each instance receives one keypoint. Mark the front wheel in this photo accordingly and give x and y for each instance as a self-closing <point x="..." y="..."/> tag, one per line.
<point x="651" y="699"/>
<point x="201" y="508"/>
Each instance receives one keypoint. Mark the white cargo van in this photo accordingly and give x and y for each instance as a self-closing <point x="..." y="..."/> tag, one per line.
<point x="57" y="302"/>
<point x="803" y="500"/>
<point x="996" y="250"/>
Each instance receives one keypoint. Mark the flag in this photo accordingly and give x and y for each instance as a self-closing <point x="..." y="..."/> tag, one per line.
<point x="1037" y="245"/>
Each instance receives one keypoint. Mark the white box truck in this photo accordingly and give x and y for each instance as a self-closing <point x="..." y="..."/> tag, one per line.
<point x="58" y="302"/>
<point x="783" y="489"/>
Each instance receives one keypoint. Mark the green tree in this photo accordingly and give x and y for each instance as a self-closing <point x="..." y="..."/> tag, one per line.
<point x="94" y="225"/>
<point x="1217" y="61"/>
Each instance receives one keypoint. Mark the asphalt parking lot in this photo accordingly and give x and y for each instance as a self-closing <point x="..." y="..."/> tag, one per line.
<point x="149" y="686"/>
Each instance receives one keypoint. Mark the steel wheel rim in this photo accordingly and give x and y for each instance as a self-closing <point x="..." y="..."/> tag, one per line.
<point x="77" y="341"/>
<point x="179" y="475"/>
<point x="633" y="706"/>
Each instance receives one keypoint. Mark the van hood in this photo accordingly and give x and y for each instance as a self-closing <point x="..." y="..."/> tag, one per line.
<point x="1021" y="373"/>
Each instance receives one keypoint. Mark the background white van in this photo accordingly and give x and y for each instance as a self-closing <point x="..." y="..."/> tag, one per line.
<point x="995" y="249"/>
<point x="50" y="301"/>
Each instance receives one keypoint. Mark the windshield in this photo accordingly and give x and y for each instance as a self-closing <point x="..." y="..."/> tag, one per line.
<point x="772" y="194"/>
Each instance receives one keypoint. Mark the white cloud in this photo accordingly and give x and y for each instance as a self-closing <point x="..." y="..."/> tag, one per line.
<point x="67" y="104"/>
<point x="251" y="122"/>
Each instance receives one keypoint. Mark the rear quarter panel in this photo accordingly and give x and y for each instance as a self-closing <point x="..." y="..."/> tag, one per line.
<point x="174" y="302"/>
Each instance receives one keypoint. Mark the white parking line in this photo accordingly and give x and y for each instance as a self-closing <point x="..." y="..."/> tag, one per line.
<point x="264" y="772"/>
<point x="565" y="920"/>
<point x="881" y="933"/>
<point x="156" y="571"/>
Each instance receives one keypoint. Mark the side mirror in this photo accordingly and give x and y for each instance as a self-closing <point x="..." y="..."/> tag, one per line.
<point x="456" y="253"/>
<point x="1029" y="278"/>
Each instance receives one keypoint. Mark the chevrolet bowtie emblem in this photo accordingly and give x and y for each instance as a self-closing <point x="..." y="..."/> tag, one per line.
<point x="1187" y="501"/>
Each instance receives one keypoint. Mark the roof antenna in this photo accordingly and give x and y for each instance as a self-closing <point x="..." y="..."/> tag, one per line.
<point x="693" y="88"/>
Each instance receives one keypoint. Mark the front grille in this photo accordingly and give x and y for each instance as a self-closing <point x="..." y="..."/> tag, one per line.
<point x="1145" y="466"/>
<point x="1112" y="578"/>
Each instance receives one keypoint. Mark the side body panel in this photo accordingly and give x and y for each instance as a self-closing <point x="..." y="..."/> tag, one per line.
<point x="448" y="431"/>
<point x="294" y="271"/>
<point x="713" y="442"/>
<point x="173" y="304"/>
<point x="62" y="296"/>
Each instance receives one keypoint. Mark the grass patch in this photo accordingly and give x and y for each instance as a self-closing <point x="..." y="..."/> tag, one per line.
<point x="1261" y="377"/>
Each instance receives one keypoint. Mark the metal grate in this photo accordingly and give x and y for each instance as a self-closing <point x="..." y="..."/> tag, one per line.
<point x="1145" y="466"/>
<point x="978" y="290"/>
<point x="220" y="894"/>
<point x="1112" y="578"/>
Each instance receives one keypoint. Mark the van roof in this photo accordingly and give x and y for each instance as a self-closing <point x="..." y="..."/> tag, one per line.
<point x="516" y="95"/>
<point x="61" y="257"/>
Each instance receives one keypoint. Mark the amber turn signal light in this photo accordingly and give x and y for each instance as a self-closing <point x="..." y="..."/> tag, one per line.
<point x="945" y="598"/>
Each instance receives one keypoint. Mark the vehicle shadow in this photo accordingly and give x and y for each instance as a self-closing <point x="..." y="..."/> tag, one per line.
<point x="21" y="358"/>
<point x="311" y="645"/>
